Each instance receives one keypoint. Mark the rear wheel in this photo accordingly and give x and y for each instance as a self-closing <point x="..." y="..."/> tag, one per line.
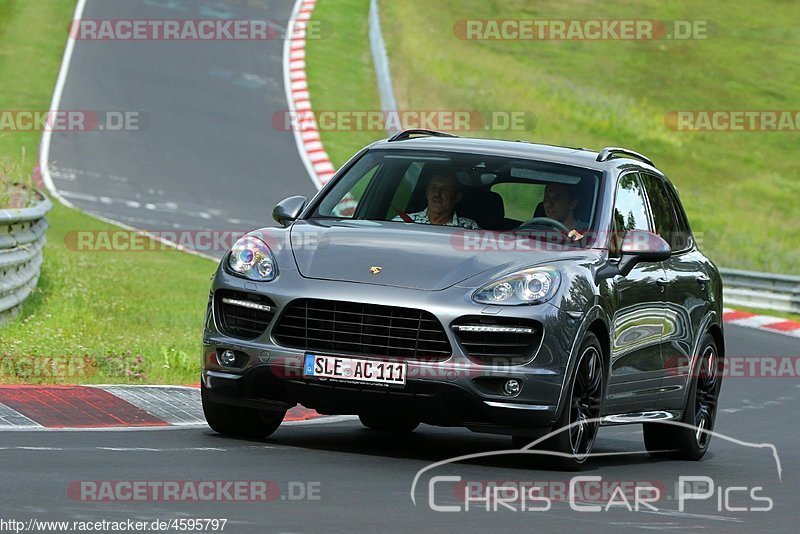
<point x="685" y="443"/>
<point x="236" y="421"/>
<point x="389" y="423"/>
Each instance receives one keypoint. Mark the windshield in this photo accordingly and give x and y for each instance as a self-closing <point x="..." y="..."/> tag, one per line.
<point x="476" y="192"/>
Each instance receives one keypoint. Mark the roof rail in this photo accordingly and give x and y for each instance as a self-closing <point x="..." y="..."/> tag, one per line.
<point x="610" y="152"/>
<point x="406" y="134"/>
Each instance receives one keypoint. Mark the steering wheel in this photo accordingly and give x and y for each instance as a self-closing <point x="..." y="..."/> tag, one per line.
<point x="543" y="221"/>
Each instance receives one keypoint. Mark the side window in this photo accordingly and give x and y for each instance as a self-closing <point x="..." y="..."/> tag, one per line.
<point x="665" y="213"/>
<point x="347" y="205"/>
<point x="684" y="238"/>
<point x="405" y="190"/>
<point x="630" y="212"/>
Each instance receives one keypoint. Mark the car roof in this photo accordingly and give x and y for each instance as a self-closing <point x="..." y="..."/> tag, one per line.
<point x="579" y="157"/>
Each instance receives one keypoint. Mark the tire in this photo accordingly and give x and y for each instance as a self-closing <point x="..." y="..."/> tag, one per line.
<point x="663" y="440"/>
<point x="580" y="417"/>
<point x="241" y="422"/>
<point x="389" y="423"/>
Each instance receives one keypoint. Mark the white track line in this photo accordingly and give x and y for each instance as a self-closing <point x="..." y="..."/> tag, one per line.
<point x="323" y="420"/>
<point x="295" y="81"/>
<point x="44" y="147"/>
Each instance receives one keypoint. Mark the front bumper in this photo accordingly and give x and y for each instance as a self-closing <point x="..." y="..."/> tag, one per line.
<point x="453" y="392"/>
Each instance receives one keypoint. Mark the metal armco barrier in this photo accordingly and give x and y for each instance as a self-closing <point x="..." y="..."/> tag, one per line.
<point x="761" y="290"/>
<point x="22" y="238"/>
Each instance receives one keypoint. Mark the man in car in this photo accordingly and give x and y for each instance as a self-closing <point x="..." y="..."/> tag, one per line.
<point x="443" y="193"/>
<point x="560" y="202"/>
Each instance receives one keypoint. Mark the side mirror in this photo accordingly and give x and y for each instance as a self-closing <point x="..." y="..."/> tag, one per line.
<point x="641" y="246"/>
<point x="288" y="210"/>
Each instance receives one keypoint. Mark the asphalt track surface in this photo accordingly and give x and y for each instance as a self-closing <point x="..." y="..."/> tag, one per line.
<point x="363" y="478"/>
<point x="209" y="158"/>
<point x="206" y="155"/>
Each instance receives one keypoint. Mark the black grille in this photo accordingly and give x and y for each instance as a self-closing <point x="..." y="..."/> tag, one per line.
<point x="362" y="329"/>
<point x="239" y="321"/>
<point x="499" y="348"/>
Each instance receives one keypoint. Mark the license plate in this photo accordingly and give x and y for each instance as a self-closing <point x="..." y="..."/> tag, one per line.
<point x="354" y="370"/>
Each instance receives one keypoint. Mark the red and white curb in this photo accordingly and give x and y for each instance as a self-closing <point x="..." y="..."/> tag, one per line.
<point x="112" y="407"/>
<point x="762" y="322"/>
<point x="307" y="136"/>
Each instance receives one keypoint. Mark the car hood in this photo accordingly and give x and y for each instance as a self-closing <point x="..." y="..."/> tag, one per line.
<point x="405" y="255"/>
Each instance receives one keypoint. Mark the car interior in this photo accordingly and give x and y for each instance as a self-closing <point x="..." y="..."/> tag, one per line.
<point x="498" y="193"/>
<point x="488" y="207"/>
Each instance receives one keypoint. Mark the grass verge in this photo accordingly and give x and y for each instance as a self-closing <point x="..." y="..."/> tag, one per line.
<point x="741" y="189"/>
<point x="95" y="316"/>
<point x="341" y="73"/>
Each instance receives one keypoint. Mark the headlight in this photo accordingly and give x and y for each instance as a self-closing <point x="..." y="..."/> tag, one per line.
<point x="251" y="258"/>
<point x="531" y="286"/>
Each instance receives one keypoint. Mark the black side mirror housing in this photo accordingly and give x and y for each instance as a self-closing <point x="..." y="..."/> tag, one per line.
<point x="640" y="246"/>
<point x="288" y="210"/>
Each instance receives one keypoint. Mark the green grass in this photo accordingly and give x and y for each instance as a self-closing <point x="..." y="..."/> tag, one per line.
<point x="741" y="190"/>
<point x="95" y="316"/>
<point x="32" y="39"/>
<point x="110" y="307"/>
<point x="341" y="73"/>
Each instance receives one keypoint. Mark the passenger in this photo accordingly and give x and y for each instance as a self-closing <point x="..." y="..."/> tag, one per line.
<point x="443" y="193"/>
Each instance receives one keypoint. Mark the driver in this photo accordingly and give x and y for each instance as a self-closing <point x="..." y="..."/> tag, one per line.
<point x="560" y="202"/>
<point x="443" y="193"/>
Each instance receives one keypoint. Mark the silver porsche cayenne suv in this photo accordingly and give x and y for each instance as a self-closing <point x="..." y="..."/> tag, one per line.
<point x="506" y="287"/>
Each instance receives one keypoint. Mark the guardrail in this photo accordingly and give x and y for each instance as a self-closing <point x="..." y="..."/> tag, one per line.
<point x="22" y="238"/>
<point x="777" y="292"/>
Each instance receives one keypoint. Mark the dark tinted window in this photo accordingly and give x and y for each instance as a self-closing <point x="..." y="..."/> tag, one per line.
<point x="493" y="192"/>
<point x="685" y="238"/>
<point x="665" y="213"/>
<point x="630" y="212"/>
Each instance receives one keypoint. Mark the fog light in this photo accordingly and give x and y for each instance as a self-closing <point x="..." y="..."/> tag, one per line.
<point x="512" y="387"/>
<point x="227" y="358"/>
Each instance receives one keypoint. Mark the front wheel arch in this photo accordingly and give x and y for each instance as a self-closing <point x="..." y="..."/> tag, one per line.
<point x="593" y="323"/>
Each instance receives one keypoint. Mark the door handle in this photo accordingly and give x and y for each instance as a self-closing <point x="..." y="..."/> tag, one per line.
<point x="662" y="283"/>
<point x="703" y="280"/>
